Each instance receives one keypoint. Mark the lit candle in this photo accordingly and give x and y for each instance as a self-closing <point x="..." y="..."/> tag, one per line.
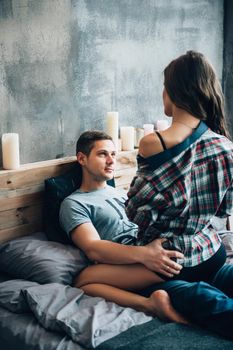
<point x="127" y="138"/>
<point x="10" y="151"/>
<point x="162" y="124"/>
<point x="112" y="127"/>
<point x="148" y="128"/>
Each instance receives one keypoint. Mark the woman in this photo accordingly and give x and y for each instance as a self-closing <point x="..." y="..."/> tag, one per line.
<point x="185" y="172"/>
<point x="184" y="179"/>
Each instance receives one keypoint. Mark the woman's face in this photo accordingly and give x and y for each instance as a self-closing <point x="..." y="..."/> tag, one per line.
<point x="167" y="103"/>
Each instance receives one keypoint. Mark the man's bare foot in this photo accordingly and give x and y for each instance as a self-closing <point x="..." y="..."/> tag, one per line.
<point x="160" y="305"/>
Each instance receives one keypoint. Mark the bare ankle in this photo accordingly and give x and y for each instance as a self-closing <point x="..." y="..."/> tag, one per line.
<point x="162" y="307"/>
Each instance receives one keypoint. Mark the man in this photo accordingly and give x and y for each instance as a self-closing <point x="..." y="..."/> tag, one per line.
<point x="95" y="220"/>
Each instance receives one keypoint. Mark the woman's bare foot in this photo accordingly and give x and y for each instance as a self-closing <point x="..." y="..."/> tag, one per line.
<point x="160" y="305"/>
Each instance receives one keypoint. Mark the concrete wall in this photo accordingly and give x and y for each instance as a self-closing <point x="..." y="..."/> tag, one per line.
<point x="65" y="63"/>
<point x="228" y="62"/>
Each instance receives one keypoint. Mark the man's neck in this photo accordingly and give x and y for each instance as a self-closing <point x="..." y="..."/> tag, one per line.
<point x="89" y="186"/>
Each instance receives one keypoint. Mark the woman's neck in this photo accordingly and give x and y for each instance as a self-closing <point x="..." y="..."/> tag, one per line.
<point x="184" y="124"/>
<point x="184" y="118"/>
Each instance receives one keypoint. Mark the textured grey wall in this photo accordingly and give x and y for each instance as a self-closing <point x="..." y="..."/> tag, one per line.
<point x="65" y="63"/>
<point x="228" y="62"/>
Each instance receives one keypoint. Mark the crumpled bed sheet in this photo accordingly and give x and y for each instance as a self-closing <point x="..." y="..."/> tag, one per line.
<point x="86" y="320"/>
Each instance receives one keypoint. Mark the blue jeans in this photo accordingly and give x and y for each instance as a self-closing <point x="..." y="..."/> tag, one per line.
<point x="206" y="304"/>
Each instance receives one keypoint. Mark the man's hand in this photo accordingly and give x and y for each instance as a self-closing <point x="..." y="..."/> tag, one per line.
<point x="159" y="260"/>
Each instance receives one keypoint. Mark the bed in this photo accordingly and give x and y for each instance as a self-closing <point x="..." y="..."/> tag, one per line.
<point x="39" y="308"/>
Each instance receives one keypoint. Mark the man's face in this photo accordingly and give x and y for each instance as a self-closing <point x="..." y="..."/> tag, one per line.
<point x="100" y="163"/>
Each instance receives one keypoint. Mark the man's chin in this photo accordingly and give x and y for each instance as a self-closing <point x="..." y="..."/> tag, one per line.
<point x="109" y="176"/>
<point x="104" y="177"/>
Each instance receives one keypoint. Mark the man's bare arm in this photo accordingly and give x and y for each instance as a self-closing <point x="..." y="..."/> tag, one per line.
<point x="153" y="256"/>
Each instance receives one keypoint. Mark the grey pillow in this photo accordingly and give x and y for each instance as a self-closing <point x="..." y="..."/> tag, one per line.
<point x="36" y="259"/>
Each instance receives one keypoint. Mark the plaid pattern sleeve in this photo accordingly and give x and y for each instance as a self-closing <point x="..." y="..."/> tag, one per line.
<point x="178" y="197"/>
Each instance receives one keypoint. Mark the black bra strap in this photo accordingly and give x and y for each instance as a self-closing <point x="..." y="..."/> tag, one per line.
<point x="161" y="140"/>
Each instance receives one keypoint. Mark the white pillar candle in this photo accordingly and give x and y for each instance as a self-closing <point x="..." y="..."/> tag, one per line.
<point x="138" y="135"/>
<point x="148" y="128"/>
<point x="162" y="124"/>
<point x="127" y="138"/>
<point x="112" y="127"/>
<point x="119" y="145"/>
<point x="10" y="151"/>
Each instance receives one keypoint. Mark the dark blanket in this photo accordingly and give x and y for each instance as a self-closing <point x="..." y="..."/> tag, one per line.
<point x="158" y="335"/>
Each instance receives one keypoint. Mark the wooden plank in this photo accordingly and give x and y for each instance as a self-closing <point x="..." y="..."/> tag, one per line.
<point x="126" y="159"/>
<point x="21" y="216"/>
<point x="20" y="201"/>
<point x="124" y="186"/>
<point x="32" y="174"/>
<point x="5" y="193"/>
<point x="124" y="177"/>
<point x="31" y="177"/>
<point x="125" y="169"/>
<point x="125" y="172"/>
<point x="19" y="231"/>
<point x="23" y="189"/>
<point x="40" y="165"/>
<point x="29" y="174"/>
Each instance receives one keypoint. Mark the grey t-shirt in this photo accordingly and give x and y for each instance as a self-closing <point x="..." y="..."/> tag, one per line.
<point x="103" y="208"/>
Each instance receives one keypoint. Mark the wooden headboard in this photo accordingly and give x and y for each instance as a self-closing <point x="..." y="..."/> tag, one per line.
<point x="22" y="192"/>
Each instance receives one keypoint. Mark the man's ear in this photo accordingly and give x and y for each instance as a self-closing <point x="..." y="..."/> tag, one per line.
<point x="81" y="158"/>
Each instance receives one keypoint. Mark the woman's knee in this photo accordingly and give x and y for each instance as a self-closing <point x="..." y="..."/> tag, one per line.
<point x="84" y="277"/>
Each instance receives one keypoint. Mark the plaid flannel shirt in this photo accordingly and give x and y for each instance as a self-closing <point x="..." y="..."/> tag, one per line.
<point x="177" y="192"/>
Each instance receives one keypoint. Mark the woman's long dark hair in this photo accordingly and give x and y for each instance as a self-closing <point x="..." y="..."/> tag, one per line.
<point x="192" y="84"/>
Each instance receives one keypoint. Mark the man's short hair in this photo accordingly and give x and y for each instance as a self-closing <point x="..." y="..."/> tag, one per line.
<point x="87" y="140"/>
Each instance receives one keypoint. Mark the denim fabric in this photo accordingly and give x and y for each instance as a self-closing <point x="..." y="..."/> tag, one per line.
<point x="205" y="304"/>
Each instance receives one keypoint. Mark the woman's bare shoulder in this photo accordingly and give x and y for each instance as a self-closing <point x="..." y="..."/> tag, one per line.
<point x="150" y="145"/>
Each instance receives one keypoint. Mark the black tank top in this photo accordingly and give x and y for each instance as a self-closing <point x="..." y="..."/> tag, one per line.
<point x="161" y="140"/>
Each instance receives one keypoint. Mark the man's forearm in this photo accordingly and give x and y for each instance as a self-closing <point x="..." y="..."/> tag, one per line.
<point x="114" y="253"/>
<point x="153" y="255"/>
